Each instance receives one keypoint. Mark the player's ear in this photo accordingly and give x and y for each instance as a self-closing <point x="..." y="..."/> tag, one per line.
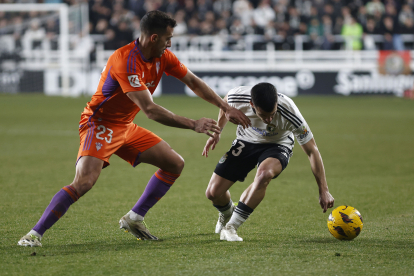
<point x="154" y="38"/>
<point x="251" y="103"/>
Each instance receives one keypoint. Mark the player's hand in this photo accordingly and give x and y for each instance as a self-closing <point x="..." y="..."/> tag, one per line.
<point x="237" y="117"/>
<point x="211" y="143"/>
<point x="326" y="200"/>
<point x="207" y="126"/>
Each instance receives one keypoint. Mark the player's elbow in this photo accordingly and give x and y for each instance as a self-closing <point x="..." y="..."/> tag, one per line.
<point x="151" y="113"/>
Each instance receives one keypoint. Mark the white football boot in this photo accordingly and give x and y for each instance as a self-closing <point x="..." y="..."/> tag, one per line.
<point x="229" y="233"/>
<point x="222" y="220"/>
<point x="29" y="240"/>
<point x="136" y="228"/>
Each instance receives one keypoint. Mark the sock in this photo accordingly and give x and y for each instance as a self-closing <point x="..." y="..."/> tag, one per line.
<point x="157" y="187"/>
<point x="134" y="216"/>
<point x="58" y="206"/>
<point x="240" y="214"/>
<point x="226" y="209"/>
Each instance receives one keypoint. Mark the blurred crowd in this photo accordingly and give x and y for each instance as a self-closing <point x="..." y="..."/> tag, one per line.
<point x="322" y="24"/>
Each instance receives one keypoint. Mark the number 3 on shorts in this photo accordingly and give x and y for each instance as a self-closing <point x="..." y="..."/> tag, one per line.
<point x="239" y="149"/>
<point x="104" y="129"/>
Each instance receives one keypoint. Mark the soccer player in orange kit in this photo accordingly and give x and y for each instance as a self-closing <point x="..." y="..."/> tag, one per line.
<point x="106" y="127"/>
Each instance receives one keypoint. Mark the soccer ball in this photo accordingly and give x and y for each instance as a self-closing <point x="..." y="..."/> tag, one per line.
<point x="345" y="223"/>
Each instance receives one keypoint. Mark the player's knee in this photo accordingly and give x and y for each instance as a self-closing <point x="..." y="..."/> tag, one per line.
<point x="84" y="185"/>
<point x="263" y="178"/>
<point x="211" y="194"/>
<point x="178" y="165"/>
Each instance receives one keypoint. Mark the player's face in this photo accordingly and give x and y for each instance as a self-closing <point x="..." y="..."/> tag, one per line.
<point x="266" y="117"/>
<point x="164" y="42"/>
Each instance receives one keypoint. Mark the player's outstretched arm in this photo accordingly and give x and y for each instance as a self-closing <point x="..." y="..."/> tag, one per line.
<point x="153" y="111"/>
<point x="325" y="198"/>
<point x="213" y="141"/>
<point x="201" y="89"/>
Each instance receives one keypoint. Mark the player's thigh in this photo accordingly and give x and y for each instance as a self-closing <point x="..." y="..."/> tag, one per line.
<point x="88" y="169"/>
<point x="100" y="140"/>
<point x="164" y="157"/>
<point x="270" y="168"/>
<point x="142" y="145"/>
<point x="236" y="164"/>
<point x="218" y="186"/>
<point x="273" y="160"/>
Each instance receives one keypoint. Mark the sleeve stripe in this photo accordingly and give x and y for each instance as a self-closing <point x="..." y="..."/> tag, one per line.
<point x="234" y="101"/>
<point x="131" y="60"/>
<point x="295" y="123"/>
<point x="296" y="118"/>
<point x="239" y="97"/>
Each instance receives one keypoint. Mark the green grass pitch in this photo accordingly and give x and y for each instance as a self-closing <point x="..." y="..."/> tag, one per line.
<point x="367" y="144"/>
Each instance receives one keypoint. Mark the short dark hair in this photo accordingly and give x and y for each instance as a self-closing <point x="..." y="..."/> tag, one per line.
<point x="264" y="95"/>
<point x="156" y="22"/>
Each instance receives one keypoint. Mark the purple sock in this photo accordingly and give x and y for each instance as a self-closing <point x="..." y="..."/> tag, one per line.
<point x="58" y="206"/>
<point x="157" y="187"/>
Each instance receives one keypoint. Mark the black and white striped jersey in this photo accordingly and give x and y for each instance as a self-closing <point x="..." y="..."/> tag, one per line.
<point x="287" y="124"/>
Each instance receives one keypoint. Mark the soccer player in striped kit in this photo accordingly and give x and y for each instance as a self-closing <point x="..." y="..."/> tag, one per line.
<point x="106" y="127"/>
<point x="267" y="143"/>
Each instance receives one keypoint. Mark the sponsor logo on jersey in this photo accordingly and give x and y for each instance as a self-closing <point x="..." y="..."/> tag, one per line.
<point x="150" y="84"/>
<point x="134" y="81"/>
<point x="264" y="132"/>
<point x="98" y="146"/>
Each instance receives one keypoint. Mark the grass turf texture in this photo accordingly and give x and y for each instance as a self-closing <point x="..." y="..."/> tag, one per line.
<point x="366" y="144"/>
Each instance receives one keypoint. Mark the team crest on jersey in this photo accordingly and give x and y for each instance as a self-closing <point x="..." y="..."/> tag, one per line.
<point x="134" y="81"/>
<point x="223" y="159"/>
<point x="98" y="146"/>
<point x="270" y="127"/>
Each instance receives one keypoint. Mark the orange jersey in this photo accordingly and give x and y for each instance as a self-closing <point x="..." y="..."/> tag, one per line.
<point x="127" y="70"/>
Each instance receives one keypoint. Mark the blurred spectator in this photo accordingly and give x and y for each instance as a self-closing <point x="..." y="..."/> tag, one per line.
<point x="222" y="5"/>
<point x="203" y="6"/>
<point x="170" y="6"/>
<point x="52" y="31"/>
<point x="34" y="36"/>
<point x="193" y="27"/>
<point x="352" y="33"/>
<point x="262" y="15"/>
<point x="181" y="28"/>
<point x="243" y="9"/>
<point x="237" y="29"/>
<point x="99" y="9"/>
<point x="110" y="40"/>
<point x="339" y="22"/>
<point x="101" y="26"/>
<point x="406" y="12"/>
<point x="315" y="33"/>
<point x="190" y="9"/>
<point x="392" y="40"/>
<point x="374" y="7"/>
<point x="327" y="30"/>
<point x="362" y="16"/>
<point x="408" y="27"/>
<point x="124" y="34"/>
<point x="370" y="29"/>
<point x="294" y="18"/>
